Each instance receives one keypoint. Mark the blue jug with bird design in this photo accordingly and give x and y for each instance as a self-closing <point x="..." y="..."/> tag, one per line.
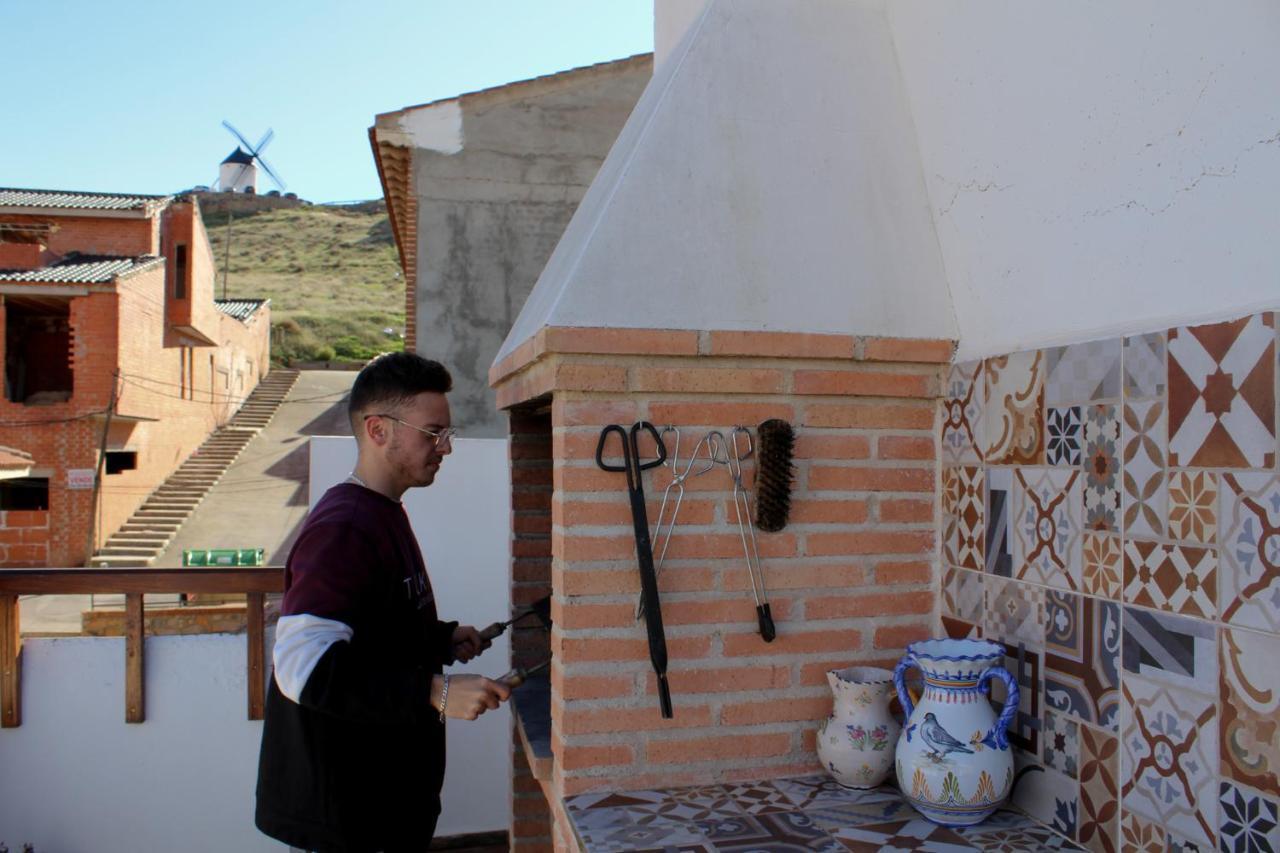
<point x="953" y="759"/>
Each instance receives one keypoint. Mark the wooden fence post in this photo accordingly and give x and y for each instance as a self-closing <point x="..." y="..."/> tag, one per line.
<point x="135" y="707"/>
<point x="10" y="664"/>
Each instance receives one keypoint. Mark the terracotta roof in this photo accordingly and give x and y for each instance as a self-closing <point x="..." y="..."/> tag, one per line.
<point x="84" y="269"/>
<point x="12" y="459"/>
<point x="64" y="199"/>
<point x="241" y="309"/>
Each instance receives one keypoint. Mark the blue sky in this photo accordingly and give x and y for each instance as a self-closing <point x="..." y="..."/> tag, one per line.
<point x="129" y="96"/>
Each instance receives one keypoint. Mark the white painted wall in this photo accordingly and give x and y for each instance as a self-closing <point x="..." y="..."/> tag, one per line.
<point x="1097" y="167"/>
<point x="463" y="522"/>
<point x="229" y="172"/>
<point x="671" y="20"/>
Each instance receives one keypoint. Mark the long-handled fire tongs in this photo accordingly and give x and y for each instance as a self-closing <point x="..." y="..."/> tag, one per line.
<point x="634" y="469"/>
<point x="742" y="509"/>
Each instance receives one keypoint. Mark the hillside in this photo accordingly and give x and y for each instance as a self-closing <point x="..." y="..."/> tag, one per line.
<point x="331" y="273"/>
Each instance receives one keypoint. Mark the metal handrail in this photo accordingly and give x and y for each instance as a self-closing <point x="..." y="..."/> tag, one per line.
<point x="134" y="584"/>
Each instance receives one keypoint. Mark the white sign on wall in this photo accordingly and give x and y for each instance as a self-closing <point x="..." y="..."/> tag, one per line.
<point x="80" y="478"/>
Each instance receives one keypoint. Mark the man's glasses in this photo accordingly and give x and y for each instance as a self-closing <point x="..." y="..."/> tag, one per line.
<point x="441" y="436"/>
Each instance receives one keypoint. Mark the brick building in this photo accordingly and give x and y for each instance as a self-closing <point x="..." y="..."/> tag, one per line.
<point x="112" y="342"/>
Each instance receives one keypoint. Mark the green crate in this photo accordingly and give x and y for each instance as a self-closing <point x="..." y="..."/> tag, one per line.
<point x="193" y="557"/>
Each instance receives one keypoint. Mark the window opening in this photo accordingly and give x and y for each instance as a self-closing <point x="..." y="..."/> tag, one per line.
<point x="180" y="271"/>
<point x="37" y="352"/>
<point x="121" y="460"/>
<point x="24" y="493"/>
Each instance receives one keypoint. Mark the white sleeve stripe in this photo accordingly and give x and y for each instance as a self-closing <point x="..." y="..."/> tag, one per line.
<point x="300" y="643"/>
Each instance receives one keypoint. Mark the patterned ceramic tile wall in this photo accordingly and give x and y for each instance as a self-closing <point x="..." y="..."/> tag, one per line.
<point x="1114" y="519"/>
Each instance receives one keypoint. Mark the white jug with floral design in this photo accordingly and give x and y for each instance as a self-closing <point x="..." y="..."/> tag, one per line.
<point x="856" y="742"/>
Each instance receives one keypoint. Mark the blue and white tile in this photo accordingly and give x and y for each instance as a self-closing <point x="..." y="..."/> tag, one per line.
<point x="1248" y="821"/>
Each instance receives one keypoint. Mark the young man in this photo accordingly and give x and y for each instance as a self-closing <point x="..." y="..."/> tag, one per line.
<point x="353" y="741"/>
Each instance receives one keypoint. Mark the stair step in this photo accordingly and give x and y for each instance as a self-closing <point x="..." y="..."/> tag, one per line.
<point x="121" y="562"/>
<point x="138" y="540"/>
<point x="128" y="551"/>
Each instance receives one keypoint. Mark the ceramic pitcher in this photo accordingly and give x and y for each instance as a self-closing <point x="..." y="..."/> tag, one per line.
<point x="953" y="759"/>
<point x="855" y="743"/>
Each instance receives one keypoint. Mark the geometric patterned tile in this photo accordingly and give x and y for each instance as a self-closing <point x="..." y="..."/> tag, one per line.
<point x="1247" y="820"/>
<point x="1061" y="744"/>
<point x="1144" y="367"/>
<point x="962" y="410"/>
<point x="954" y="629"/>
<point x="1024" y="666"/>
<point x="999" y="494"/>
<point x="1082" y="372"/>
<point x="1222" y="396"/>
<point x="1250" y="698"/>
<point x="1026" y="837"/>
<point x="1014" y="410"/>
<point x="1249" y="524"/>
<point x="1173" y="650"/>
<point x="1180" y="578"/>
<point x="962" y="594"/>
<point x="964" y="529"/>
<point x="1046" y="526"/>
<point x="759" y="797"/>
<point x="1169" y="755"/>
<point x="1140" y="835"/>
<point x="1145" y="494"/>
<point x="769" y="831"/>
<point x="1099" y="791"/>
<point x="889" y="806"/>
<point x="1193" y="506"/>
<point x="1063" y="430"/>
<point x="1014" y="613"/>
<point x="1051" y="798"/>
<point x="1101" y="468"/>
<point x="1103" y="565"/>
<point x="915" y="834"/>
<point x="1082" y="658"/>
<point x="807" y="791"/>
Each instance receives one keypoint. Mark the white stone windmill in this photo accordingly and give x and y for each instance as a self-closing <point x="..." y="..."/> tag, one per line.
<point x="239" y="172"/>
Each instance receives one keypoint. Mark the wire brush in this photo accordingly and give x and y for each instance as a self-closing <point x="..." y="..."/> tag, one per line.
<point x="774" y="474"/>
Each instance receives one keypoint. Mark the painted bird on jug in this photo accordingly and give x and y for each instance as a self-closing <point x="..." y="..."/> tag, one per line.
<point x="939" y="739"/>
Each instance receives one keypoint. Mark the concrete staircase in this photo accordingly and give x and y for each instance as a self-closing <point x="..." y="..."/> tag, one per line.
<point x="154" y="524"/>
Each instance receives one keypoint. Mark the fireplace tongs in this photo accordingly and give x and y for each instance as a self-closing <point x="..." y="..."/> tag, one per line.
<point x="634" y="468"/>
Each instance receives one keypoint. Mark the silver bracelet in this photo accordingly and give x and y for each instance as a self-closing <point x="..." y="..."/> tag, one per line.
<point x="444" y="696"/>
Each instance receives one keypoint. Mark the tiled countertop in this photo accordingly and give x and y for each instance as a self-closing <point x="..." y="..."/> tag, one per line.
<point x="801" y="813"/>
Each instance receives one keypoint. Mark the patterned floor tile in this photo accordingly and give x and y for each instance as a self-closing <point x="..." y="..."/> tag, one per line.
<point x="1222" y="396"/>
<point x="1082" y="372"/>
<point x="1050" y="797"/>
<point x="780" y="831"/>
<point x="964" y="540"/>
<point x="1139" y="835"/>
<point x="630" y="836"/>
<point x="833" y="817"/>
<point x="962" y="415"/>
<point x="703" y="802"/>
<point x="1013" y="411"/>
<point x="1193" y="506"/>
<point x="999" y="494"/>
<point x="1168" y="758"/>
<point x="1144" y="366"/>
<point x="1181" y="653"/>
<point x="1103" y="571"/>
<point x="807" y="791"/>
<point x="1250" y="697"/>
<point x="1179" y="578"/>
<point x="1082" y="651"/>
<point x="1046" y="526"/>
<point x="759" y="798"/>
<point x="1061" y="744"/>
<point x="1099" y="792"/>
<point x="962" y="594"/>
<point x="1248" y="821"/>
<point x="917" y="834"/>
<point x="1101" y="468"/>
<point x="1249" y="522"/>
<point x="1064" y="436"/>
<point x="1145" y="493"/>
<point x="608" y="800"/>
<point x="1030" y="840"/>
<point x="1015" y="613"/>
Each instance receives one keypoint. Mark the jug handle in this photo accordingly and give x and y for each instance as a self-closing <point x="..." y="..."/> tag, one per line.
<point x="900" y="685"/>
<point x="998" y="737"/>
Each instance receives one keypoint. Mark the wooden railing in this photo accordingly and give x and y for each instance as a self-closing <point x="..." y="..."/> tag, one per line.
<point x="133" y="584"/>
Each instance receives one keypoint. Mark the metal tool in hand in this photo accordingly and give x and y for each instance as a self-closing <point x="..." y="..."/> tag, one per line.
<point x="740" y="449"/>
<point x="520" y="675"/>
<point x="711" y="443"/>
<point x="540" y="608"/>
<point x="634" y="468"/>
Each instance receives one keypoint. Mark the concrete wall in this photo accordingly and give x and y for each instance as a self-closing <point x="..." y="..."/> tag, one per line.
<point x="492" y="206"/>
<point x="463" y="524"/>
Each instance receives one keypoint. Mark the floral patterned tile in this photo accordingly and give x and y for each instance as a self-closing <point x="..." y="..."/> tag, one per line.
<point x="1139" y="835"/>
<point x="1064" y="436"/>
<point x="1250" y="707"/>
<point x="962" y="594"/>
<point x="1061" y="744"/>
<point x="1222" y="395"/>
<point x="1103" y="573"/>
<point x="1249" y="524"/>
<point x="1082" y="372"/>
<point x="1082" y="657"/>
<point x="1014" y="613"/>
<point x="1248" y="821"/>
<point x="791" y="830"/>
<point x="962" y="415"/>
<point x="1099" y="791"/>
<point x="1013" y="425"/>
<point x="1193" y="506"/>
<point x="1101" y="468"/>
<point x="1144" y="366"/>
<point x="999" y="494"/>
<point x="1179" y="578"/>
<point x="1169" y="754"/>
<point x="1046" y="525"/>
<point x="1146" y="496"/>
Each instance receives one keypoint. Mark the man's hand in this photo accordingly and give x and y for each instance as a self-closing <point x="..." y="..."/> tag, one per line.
<point x="467" y="643"/>
<point x="469" y="695"/>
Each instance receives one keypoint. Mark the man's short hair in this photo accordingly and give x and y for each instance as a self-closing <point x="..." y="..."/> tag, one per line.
<point x="392" y="380"/>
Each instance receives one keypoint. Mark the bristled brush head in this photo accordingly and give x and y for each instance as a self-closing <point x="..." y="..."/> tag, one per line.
<point x="775" y="447"/>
